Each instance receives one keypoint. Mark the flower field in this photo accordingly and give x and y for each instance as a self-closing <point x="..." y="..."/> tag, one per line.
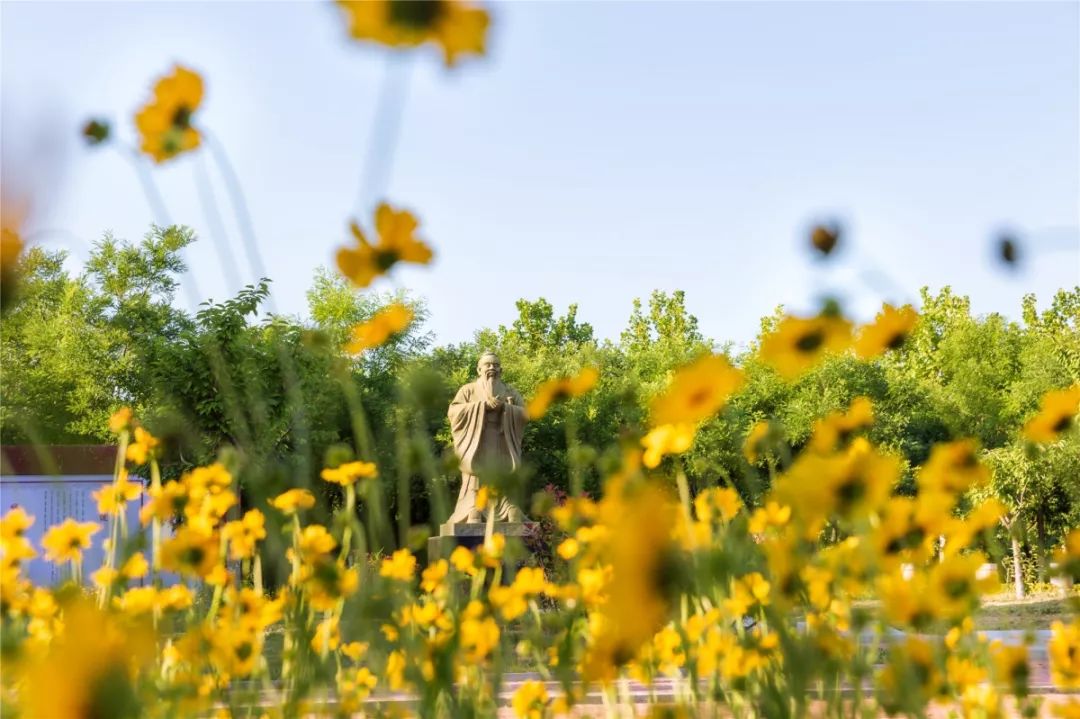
<point x="692" y="551"/>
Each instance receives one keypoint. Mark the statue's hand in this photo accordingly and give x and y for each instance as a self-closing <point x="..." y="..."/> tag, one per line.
<point x="492" y="402"/>
<point x="509" y="399"/>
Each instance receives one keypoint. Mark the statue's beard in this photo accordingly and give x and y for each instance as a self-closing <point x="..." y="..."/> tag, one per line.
<point x="490" y="383"/>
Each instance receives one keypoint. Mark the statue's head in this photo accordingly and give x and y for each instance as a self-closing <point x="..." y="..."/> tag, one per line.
<point x="488" y="366"/>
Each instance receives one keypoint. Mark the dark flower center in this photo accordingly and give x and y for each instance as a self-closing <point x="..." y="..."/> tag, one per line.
<point x="698" y="398"/>
<point x="810" y="341"/>
<point x="896" y="341"/>
<point x="1062" y="424"/>
<point x="851" y="491"/>
<point x="956" y="587"/>
<point x="415" y="14"/>
<point x="385" y="259"/>
<point x="182" y="118"/>
<point x="193" y="556"/>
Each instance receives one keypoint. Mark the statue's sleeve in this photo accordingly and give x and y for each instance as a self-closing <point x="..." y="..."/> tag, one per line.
<point x="514" y="426"/>
<point x="466" y="416"/>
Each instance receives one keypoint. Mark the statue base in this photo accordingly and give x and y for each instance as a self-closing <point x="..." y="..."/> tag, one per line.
<point x="471" y="535"/>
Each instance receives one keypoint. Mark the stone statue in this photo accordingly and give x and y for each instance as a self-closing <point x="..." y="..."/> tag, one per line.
<point x="487" y="420"/>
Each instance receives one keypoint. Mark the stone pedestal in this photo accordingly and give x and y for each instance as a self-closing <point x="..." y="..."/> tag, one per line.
<point x="471" y="535"/>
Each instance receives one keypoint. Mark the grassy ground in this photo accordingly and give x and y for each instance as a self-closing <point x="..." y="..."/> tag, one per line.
<point x="1004" y="611"/>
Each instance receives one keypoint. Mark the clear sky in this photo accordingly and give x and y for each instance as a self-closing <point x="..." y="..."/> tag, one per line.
<point x="600" y="151"/>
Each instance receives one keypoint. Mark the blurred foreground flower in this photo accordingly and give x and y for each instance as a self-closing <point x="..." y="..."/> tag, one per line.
<point x="66" y="542"/>
<point x="697" y="391"/>
<point x="798" y="343"/>
<point x="96" y="131"/>
<point x="561" y="388"/>
<point x="889" y="330"/>
<point x="384" y="324"/>
<point x="457" y="27"/>
<point x="824" y="238"/>
<point x="396" y="230"/>
<point x="1008" y="251"/>
<point x="292" y="500"/>
<point x="1056" y="413"/>
<point x="90" y="670"/>
<point x="164" y="123"/>
<point x="11" y="247"/>
<point x="348" y="473"/>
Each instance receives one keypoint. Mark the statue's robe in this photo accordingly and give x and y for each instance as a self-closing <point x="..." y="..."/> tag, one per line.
<point x="485" y="440"/>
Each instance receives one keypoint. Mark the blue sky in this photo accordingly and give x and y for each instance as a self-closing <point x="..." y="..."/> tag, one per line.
<point x="601" y="150"/>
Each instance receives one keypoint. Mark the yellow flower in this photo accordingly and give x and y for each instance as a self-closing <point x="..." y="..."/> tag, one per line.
<point x="719" y="503"/>
<point x="510" y="602"/>
<point x="1011" y="666"/>
<point x="463" y="561"/>
<point x="366" y="681"/>
<point x="135" y="566"/>
<point x="529" y="581"/>
<point x="837" y="429"/>
<point x="120" y="420"/>
<point x="327" y="636"/>
<point x="954" y="585"/>
<point x="568" y="549"/>
<point x="243" y="534"/>
<point x="144" y="446"/>
<point x="889" y="331"/>
<point x="642" y="554"/>
<point x="482" y="495"/>
<point x="354" y="650"/>
<point x="666" y="439"/>
<point x="752" y="447"/>
<point x="798" y="343"/>
<point x="164" y="123"/>
<point x="433" y="578"/>
<point x="13" y="542"/>
<point x="478" y="634"/>
<point x="530" y="700"/>
<point x="235" y="648"/>
<point x="315" y="541"/>
<point x="1068" y="556"/>
<point x="66" y="542"/>
<point x="177" y="597"/>
<point x="1066" y="709"/>
<point x="164" y="502"/>
<point x="953" y="468"/>
<point x="113" y="498"/>
<point x="293" y="500"/>
<point x="697" y="391"/>
<point x="1056" y="413"/>
<point x="852" y="484"/>
<point x="395" y="670"/>
<point x="329" y="581"/>
<point x="349" y="472"/>
<point x="383" y="324"/>
<point x="561" y="388"/>
<point x="87" y="671"/>
<point x="457" y="27"/>
<point x="135" y="601"/>
<point x="192" y="551"/>
<point x="1064" y="651"/>
<point x="746" y="593"/>
<point x="397" y="243"/>
<point x="401" y="565"/>
<point x="773" y="514"/>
